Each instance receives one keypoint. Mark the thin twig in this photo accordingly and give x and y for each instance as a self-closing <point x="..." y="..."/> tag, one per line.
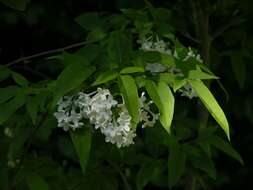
<point x="187" y="35"/>
<point x="21" y="59"/>
<point x="36" y="72"/>
<point x="225" y="27"/>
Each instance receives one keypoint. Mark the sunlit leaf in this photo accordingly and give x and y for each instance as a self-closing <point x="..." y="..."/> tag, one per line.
<point x="129" y="70"/>
<point x="105" y="76"/>
<point x="211" y="104"/>
<point x="164" y="99"/>
<point x="130" y="94"/>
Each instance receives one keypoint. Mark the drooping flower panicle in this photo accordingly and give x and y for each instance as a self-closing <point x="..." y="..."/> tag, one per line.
<point x="96" y="107"/>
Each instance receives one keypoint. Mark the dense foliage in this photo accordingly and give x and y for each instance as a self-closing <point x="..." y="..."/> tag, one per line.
<point x="132" y="103"/>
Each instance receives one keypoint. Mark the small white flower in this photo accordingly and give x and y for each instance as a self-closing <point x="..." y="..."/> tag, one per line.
<point x="191" y="54"/>
<point x="155" y="68"/>
<point x="66" y="114"/>
<point x="188" y="91"/>
<point x="8" y="132"/>
<point x="147" y="116"/>
<point x="150" y="44"/>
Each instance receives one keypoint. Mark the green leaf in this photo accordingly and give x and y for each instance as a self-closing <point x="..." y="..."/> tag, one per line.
<point x="32" y="107"/>
<point x="81" y="139"/>
<point x="4" y="73"/>
<point x="176" y="164"/>
<point x="119" y="48"/>
<point x="167" y="60"/>
<point x="70" y="78"/>
<point x="211" y="104"/>
<point x="90" y="21"/>
<point x="104" y="77"/>
<point x="131" y="98"/>
<point x="129" y="70"/>
<point x="9" y="108"/>
<point x="239" y="68"/>
<point x="7" y="93"/>
<point x="36" y="182"/>
<point x="46" y="128"/>
<point x="164" y="100"/>
<point x="225" y="147"/>
<point x="19" y="5"/>
<point x="19" y="79"/>
<point x="68" y="58"/>
<point x="204" y="163"/>
<point x="16" y="147"/>
<point x="144" y="175"/>
<point x="198" y="74"/>
<point x="178" y="83"/>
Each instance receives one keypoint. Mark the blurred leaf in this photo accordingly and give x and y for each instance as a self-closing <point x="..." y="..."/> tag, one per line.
<point x="167" y="60"/>
<point x="17" y="144"/>
<point x="32" y="107"/>
<point x="46" y="128"/>
<point x="204" y="163"/>
<point x="144" y="175"/>
<point x="164" y="100"/>
<point x="239" y="68"/>
<point x="7" y="93"/>
<point x="119" y="48"/>
<point x="105" y="76"/>
<point x="90" y="21"/>
<point x="4" y="73"/>
<point x="70" y="78"/>
<point x="19" y="5"/>
<point x="81" y="139"/>
<point x="199" y="160"/>
<point x="129" y="70"/>
<point x="176" y="164"/>
<point x="36" y="182"/>
<point x="225" y="147"/>
<point x="19" y="79"/>
<point x="131" y="98"/>
<point x="211" y="104"/>
<point x="89" y="52"/>
<point x="69" y="58"/>
<point x="9" y="108"/>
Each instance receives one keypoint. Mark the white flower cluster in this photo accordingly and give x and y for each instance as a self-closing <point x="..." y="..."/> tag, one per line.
<point x="150" y="44"/>
<point x="158" y="45"/>
<point x="68" y="113"/>
<point x="147" y="116"/>
<point x="97" y="108"/>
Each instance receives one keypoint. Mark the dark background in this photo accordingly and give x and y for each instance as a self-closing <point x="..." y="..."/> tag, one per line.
<point x="49" y="24"/>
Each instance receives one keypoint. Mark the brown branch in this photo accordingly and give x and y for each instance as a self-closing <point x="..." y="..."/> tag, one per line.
<point x="22" y="59"/>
